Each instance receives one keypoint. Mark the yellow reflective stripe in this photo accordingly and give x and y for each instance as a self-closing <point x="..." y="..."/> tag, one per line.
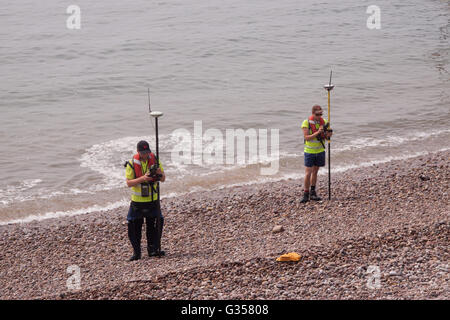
<point x="139" y="194"/>
<point x="318" y="147"/>
<point x="313" y="146"/>
<point x="313" y="143"/>
<point x="136" y="195"/>
<point x="137" y="198"/>
<point x="307" y="150"/>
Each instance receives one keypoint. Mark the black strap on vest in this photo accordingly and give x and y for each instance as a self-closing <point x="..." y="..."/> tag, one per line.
<point x="128" y="163"/>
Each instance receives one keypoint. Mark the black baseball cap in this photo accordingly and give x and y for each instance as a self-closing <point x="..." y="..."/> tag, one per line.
<point x="143" y="146"/>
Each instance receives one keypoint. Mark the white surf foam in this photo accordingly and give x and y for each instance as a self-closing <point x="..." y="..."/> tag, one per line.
<point x="58" y="214"/>
<point x="16" y="193"/>
<point x="107" y="160"/>
<point x="390" y="141"/>
<point x="125" y="202"/>
<point x="337" y="169"/>
<point x="92" y="209"/>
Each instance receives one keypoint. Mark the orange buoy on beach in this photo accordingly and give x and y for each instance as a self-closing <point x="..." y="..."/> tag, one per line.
<point x="291" y="256"/>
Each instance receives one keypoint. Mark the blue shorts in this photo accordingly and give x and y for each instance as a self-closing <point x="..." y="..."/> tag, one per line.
<point x="315" y="159"/>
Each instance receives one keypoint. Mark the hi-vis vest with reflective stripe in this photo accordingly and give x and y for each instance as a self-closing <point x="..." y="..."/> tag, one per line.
<point x="313" y="146"/>
<point x="136" y="190"/>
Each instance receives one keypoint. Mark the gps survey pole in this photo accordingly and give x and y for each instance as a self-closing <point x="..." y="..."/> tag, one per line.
<point x="156" y="115"/>
<point x="329" y="87"/>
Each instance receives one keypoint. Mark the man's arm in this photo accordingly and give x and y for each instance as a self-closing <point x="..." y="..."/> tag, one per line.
<point x="131" y="182"/>
<point x="145" y="178"/>
<point x="134" y="182"/>
<point x="308" y="136"/>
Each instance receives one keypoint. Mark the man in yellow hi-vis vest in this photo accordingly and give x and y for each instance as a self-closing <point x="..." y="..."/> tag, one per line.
<point x="314" y="135"/>
<point x="142" y="173"/>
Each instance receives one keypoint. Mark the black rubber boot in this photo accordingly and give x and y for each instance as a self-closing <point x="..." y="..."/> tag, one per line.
<point x="155" y="254"/>
<point x="135" y="257"/>
<point x="135" y="234"/>
<point x="305" y="197"/>
<point x="314" y="196"/>
<point x="154" y="237"/>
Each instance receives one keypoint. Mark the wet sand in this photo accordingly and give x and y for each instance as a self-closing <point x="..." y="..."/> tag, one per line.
<point x="220" y="244"/>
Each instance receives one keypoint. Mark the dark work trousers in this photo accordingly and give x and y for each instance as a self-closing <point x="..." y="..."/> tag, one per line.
<point x="136" y="215"/>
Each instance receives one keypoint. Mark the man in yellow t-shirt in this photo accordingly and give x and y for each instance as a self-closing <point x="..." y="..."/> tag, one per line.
<point x="314" y="136"/>
<point x="144" y="200"/>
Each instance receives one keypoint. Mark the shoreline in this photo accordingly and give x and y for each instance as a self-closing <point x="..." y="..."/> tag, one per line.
<point x="123" y="204"/>
<point x="209" y="235"/>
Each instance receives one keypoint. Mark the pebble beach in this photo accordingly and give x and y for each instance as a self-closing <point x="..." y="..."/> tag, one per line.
<point x="223" y="244"/>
